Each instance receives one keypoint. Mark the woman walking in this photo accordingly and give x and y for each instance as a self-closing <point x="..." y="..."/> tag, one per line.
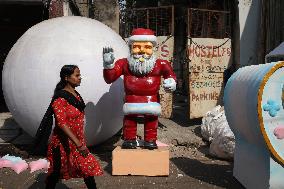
<point x="67" y="152"/>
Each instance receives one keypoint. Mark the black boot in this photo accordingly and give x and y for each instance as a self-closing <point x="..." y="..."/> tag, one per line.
<point x="90" y="182"/>
<point x="151" y="145"/>
<point x="129" y="144"/>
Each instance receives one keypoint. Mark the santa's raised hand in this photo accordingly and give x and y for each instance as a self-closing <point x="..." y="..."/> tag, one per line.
<point x="108" y="58"/>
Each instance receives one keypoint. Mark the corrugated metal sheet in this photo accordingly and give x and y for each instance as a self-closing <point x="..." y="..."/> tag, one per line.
<point x="272" y="27"/>
<point x="274" y="22"/>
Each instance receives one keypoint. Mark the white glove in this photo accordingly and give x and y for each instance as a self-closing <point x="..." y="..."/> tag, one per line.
<point x="108" y="58"/>
<point x="169" y="85"/>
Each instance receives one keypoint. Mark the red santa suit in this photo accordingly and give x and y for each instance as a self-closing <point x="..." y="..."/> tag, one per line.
<point x="141" y="96"/>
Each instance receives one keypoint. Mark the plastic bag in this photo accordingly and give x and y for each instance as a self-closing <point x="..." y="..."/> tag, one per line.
<point x="223" y="142"/>
<point x="209" y="123"/>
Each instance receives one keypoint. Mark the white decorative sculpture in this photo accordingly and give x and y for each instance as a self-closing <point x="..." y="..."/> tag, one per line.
<point x="32" y="68"/>
<point x="253" y="100"/>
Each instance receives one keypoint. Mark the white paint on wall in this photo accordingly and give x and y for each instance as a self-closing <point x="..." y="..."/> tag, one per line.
<point x="66" y="8"/>
<point x="249" y="18"/>
<point x="66" y="11"/>
<point x="244" y="8"/>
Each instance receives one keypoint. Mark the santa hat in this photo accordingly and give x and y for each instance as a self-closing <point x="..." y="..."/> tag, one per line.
<point x="142" y="34"/>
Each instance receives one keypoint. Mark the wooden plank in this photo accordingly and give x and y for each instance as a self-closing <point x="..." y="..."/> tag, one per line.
<point x="209" y="55"/>
<point x="205" y="92"/>
<point x="165" y="52"/>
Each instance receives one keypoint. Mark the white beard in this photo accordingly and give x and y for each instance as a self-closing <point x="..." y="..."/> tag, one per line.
<point x="139" y="68"/>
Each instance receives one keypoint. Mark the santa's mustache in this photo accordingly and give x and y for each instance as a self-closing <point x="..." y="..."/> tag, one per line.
<point x="137" y="56"/>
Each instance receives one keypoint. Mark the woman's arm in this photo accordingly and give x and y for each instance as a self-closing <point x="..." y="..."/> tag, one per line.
<point x="82" y="149"/>
<point x="71" y="135"/>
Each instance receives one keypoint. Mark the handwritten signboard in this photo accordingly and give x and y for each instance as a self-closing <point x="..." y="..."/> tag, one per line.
<point x="209" y="58"/>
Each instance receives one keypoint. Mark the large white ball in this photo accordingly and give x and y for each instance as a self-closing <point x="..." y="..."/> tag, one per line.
<point x="32" y="67"/>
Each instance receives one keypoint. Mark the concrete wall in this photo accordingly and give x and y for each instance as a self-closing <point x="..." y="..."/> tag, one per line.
<point x="83" y="7"/>
<point x="107" y="12"/>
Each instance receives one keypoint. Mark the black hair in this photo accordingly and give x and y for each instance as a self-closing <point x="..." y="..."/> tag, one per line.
<point x="66" y="71"/>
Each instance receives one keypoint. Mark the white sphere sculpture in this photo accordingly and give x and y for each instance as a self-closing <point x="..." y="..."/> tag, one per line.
<point x="32" y="67"/>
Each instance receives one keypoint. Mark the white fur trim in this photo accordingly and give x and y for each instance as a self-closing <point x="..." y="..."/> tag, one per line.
<point x="153" y="108"/>
<point x="150" y="38"/>
<point x="109" y="66"/>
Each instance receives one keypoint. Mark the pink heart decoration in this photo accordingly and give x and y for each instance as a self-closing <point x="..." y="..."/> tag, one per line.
<point x="160" y="144"/>
<point x="19" y="166"/>
<point x="38" y="165"/>
<point x="5" y="163"/>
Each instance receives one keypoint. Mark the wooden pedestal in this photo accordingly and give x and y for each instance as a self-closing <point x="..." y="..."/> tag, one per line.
<point x="140" y="161"/>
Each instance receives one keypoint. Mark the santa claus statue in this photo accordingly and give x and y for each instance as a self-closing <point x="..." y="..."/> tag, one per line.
<point x="142" y="73"/>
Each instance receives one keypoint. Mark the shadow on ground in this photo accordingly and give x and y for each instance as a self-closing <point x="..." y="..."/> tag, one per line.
<point x="104" y="151"/>
<point x="40" y="183"/>
<point x="180" y="113"/>
<point x="216" y="174"/>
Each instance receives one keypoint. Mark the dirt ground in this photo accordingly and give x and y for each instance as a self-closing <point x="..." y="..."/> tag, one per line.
<point x="191" y="165"/>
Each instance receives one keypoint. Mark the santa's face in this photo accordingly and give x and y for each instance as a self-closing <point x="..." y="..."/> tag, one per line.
<point x="142" y="59"/>
<point x="142" y="47"/>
